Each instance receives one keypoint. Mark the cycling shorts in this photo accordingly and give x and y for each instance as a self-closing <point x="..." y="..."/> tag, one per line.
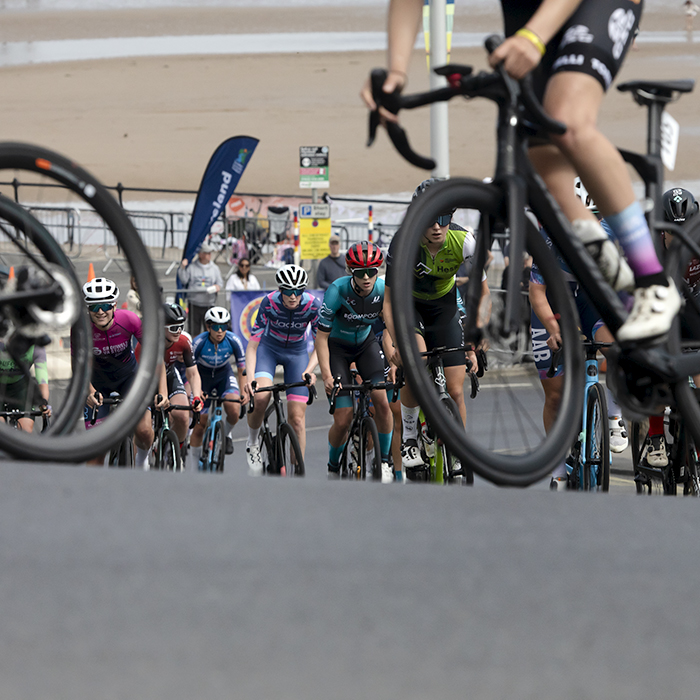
<point x="440" y="323"/>
<point x="175" y="384"/>
<point x="589" y="324"/>
<point x="368" y="357"/>
<point x="120" y="387"/>
<point x="594" y="40"/>
<point x="294" y="362"/>
<point x="222" y="379"/>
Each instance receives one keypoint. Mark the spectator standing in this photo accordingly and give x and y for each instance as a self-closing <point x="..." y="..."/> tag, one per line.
<point x="242" y="280"/>
<point x="690" y="9"/>
<point x="203" y="281"/>
<point x="332" y="266"/>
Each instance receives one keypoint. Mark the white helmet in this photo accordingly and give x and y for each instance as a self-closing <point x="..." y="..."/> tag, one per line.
<point x="292" y="277"/>
<point x="99" y="290"/>
<point x="582" y="193"/>
<point x="217" y="314"/>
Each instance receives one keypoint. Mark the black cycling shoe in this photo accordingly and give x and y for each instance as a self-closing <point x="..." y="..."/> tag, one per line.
<point x="333" y="472"/>
<point x="229" y="445"/>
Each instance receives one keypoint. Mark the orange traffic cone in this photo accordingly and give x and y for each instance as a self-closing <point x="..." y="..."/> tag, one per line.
<point x="91" y="273"/>
<point x="11" y="274"/>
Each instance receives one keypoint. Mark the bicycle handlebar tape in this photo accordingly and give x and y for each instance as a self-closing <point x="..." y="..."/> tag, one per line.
<point x="492" y="42"/>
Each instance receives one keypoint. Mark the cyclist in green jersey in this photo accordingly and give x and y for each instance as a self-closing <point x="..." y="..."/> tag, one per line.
<point x="445" y="246"/>
<point x="17" y="391"/>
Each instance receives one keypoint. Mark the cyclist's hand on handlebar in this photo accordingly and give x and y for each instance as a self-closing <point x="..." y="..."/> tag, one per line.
<point x="395" y="358"/>
<point x="518" y="55"/>
<point x="312" y="378"/>
<point x="328" y="383"/>
<point x="197" y="404"/>
<point x="46" y="410"/>
<point x="554" y="341"/>
<point x="395" y="80"/>
<point x="161" y="401"/>
<point x="471" y="356"/>
<point x="94" y="400"/>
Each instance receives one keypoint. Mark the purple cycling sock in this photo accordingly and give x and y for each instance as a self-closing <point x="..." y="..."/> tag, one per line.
<point x="630" y="228"/>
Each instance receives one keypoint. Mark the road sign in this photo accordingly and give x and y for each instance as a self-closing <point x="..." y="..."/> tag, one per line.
<point x="314" y="235"/>
<point x="313" y="167"/>
<point x="315" y="211"/>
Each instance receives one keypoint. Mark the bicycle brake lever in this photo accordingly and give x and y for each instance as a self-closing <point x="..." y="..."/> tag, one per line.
<point x="556" y="357"/>
<point x="475" y="385"/>
<point x="482" y="362"/>
<point x="312" y="395"/>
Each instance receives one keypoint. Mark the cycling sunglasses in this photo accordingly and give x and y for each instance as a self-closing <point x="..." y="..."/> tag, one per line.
<point x="94" y="308"/>
<point x="365" y="271"/>
<point x="443" y="219"/>
<point x="219" y="326"/>
<point x="175" y="328"/>
<point x="292" y="292"/>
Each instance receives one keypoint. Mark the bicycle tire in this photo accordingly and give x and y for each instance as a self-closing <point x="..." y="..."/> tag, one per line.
<point x="81" y="445"/>
<point x="169" y="458"/>
<point x="373" y="465"/>
<point x="447" y="457"/>
<point x="267" y="451"/>
<point x="289" y="450"/>
<point x="597" y="469"/>
<point x="504" y="463"/>
<point x="218" y="447"/>
<point x="122" y="455"/>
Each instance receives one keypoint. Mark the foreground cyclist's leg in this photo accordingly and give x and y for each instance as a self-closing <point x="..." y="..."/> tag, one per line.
<point x="575" y="98"/>
<point x="296" y="408"/>
<point x="255" y="420"/>
<point x="295" y="365"/>
<point x="410" y="453"/>
<point x="338" y="433"/>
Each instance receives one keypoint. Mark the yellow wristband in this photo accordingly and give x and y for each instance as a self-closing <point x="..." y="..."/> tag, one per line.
<point x="533" y="38"/>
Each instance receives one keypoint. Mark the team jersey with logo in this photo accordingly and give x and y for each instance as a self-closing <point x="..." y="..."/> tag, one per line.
<point x="346" y="315"/>
<point x="435" y="275"/>
<point x="11" y="372"/>
<point x="281" y="327"/>
<point x="209" y="354"/>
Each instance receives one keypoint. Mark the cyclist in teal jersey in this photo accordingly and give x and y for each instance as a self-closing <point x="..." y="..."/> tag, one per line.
<point x="350" y="306"/>
<point x="18" y="391"/>
<point x="445" y="246"/>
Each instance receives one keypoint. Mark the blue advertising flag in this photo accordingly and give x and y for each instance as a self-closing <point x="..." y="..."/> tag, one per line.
<point x="218" y="184"/>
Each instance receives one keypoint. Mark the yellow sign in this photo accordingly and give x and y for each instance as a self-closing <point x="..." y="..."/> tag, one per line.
<point x="314" y="235"/>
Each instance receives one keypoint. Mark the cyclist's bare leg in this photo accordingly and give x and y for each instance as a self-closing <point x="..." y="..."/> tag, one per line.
<point x="255" y="417"/>
<point x="407" y="398"/>
<point x="382" y="413"/>
<point x="180" y="420"/>
<point x="338" y="432"/>
<point x="454" y="376"/>
<point x="297" y="419"/>
<point x="143" y="433"/>
<point x="552" y="398"/>
<point x="232" y="411"/>
<point x="26" y="424"/>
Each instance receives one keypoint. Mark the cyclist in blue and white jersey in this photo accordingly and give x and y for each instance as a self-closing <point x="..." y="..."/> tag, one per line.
<point x="279" y="338"/>
<point x="350" y="306"/>
<point x="213" y="351"/>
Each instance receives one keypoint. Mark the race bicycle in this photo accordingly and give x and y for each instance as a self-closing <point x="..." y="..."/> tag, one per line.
<point x="121" y="454"/>
<point x="643" y="377"/>
<point x="280" y="449"/>
<point x="165" y="453"/>
<point x="214" y="441"/>
<point x="362" y="456"/>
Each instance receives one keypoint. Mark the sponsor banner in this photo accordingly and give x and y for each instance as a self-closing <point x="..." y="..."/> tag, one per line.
<point x="220" y="179"/>
<point x="244" y="311"/>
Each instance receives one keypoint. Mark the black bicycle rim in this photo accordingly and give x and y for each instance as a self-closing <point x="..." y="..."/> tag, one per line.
<point x="218" y="447"/>
<point x="291" y="458"/>
<point x="370" y="452"/>
<point x="170" y="459"/>
<point x="597" y="439"/>
<point x="496" y="466"/>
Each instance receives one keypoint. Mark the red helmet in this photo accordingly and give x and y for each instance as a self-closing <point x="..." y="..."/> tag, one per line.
<point x="363" y="254"/>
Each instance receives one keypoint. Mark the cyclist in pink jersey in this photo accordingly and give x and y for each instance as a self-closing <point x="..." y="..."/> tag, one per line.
<point x="114" y="363"/>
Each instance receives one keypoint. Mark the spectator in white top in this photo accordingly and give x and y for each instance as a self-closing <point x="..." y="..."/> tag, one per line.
<point x="203" y="281"/>
<point x="241" y="279"/>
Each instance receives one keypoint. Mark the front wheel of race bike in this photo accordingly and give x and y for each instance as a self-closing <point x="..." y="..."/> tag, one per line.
<point x="597" y="469"/>
<point x="169" y="447"/>
<point x="291" y="461"/>
<point x="218" y="447"/>
<point x="370" y="451"/>
<point x="268" y="453"/>
<point x="504" y="440"/>
<point x="85" y="220"/>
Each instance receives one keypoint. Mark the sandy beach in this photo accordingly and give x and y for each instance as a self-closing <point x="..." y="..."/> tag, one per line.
<point x="153" y="122"/>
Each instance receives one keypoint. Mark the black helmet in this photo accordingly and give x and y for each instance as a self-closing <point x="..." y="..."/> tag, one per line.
<point x="173" y="314"/>
<point x="423" y="187"/>
<point x="679" y="205"/>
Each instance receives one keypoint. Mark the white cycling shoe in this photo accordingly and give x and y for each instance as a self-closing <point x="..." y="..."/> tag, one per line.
<point x="254" y="458"/>
<point x="618" y="434"/>
<point x="652" y="314"/>
<point x="410" y="454"/>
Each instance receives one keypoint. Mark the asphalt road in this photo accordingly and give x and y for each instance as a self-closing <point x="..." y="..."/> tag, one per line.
<point x="122" y="583"/>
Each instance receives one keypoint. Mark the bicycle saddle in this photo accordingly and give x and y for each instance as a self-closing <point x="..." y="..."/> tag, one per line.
<point x="656" y="90"/>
